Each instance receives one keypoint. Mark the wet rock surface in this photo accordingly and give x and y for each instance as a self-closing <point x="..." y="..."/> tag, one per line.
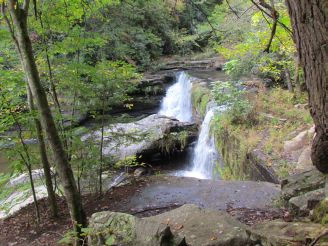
<point x="215" y="194"/>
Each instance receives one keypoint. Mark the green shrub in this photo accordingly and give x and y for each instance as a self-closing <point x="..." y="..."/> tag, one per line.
<point x="240" y="110"/>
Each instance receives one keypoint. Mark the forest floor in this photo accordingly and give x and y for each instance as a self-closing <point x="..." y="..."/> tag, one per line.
<point x="22" y="229"/>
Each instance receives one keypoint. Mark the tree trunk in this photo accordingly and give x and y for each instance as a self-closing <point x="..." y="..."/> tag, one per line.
<point x="289" y="81"/>
<point x="101" y="147"/>
<point x="28" y="164"/>
<point x="310" y="26"/>
<point x="44" y="159"/>
<point x="297" y="77"/>
<point x="24" y="46"/>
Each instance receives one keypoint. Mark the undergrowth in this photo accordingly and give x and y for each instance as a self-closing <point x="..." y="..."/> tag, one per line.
<point x="260" y="120"/>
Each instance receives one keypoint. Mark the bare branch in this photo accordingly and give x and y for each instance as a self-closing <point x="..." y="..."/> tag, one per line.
<point x="232" y="10"/>
<point x="206" y="17"/>
<point x="10" y="27"/>
<point x="268" y="14"/>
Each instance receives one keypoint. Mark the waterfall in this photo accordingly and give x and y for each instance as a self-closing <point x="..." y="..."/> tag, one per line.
<point x="205" y="156"/>
<point x="177" y="102"/>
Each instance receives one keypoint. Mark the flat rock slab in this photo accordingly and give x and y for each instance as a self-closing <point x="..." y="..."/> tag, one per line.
<point x="281" y="233"/>
<point x="187" y="225"/>
<point x="164" y="191"/>
<point x="145" y="136"/>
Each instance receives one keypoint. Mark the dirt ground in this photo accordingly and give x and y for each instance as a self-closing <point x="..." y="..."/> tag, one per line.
<point x="22" y="228"/>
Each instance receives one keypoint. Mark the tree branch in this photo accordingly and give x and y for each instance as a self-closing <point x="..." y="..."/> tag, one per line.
<point x="268" y="14"/>
<point x="10" y="27"/>
<point x="206" y="17"/>
<point x="232" y="10"/>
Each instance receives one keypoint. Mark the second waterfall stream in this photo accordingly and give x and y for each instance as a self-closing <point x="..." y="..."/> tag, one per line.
<point x="177" y="104"/>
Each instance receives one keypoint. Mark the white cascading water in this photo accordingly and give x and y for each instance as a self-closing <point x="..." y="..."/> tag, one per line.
<point x="177" y="102"/>
<point x="205" y="156"/>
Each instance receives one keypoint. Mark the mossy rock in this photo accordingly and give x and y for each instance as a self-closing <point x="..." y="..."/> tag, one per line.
<point x="200" y="97"/>
<point x="320" y="212"/>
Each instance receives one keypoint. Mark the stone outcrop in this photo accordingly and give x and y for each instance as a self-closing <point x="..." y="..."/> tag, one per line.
<point x="298" y="149"/>
<point x="187" y="225"/>
<point x="281" y="233"/>
<point x="19" y="200"/>
<point x="302" y="192"/>
<point x="244" y="164"/>
<point x="193" y="226"/>
<point x="215" y="63"/>
<point x="153" y="134"/>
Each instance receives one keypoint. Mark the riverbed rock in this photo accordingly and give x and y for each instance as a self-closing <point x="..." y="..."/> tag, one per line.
<point x="153" y="134"/>
<point x="304" y="162"/>
<point x="212" y="194"/>
<point x="296" y="143"/>
<point x="140" y="171"/>
<point x="204" y="226"/>
<point x="279" y="233"/>
<point x="302" y="204"/>
<point x="20" y="199"/>
<point x="215" y="63"/>
<point x="301" y="183"/>
<point x="24" y="177"/>
<point x="187" y="225"/>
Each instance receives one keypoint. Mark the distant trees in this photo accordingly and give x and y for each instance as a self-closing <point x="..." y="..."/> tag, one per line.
<point x="310" y="28"/>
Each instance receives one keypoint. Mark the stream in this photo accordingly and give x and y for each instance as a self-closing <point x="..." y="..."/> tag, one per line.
<point x="201" y="157"/>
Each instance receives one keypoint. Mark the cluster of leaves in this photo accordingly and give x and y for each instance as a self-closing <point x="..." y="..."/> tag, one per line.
<point x="244" y="43"/>
<point x="233" y="97"/>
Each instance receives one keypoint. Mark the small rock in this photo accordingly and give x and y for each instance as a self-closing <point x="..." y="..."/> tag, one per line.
<point x="304" y="161"/>
<point x="301" y="205"/>
<point x="296" y="143"/>
<point x="302" y="106"/>
<point x="140" y="171"/>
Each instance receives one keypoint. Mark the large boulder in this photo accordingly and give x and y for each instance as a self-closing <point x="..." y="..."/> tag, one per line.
<point x="301" y="183"/>
<point x="204" y="226"/>
<point x="302" y="192"/>
<point x="153" y="134"/>
<point x="187" y="225"/>
<point x="280" y="233"/>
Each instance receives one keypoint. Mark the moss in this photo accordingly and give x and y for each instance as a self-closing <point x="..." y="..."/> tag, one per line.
<point x="200" y="97"/>
<point x="174" y="140"/>
<point x="320" y="213"/>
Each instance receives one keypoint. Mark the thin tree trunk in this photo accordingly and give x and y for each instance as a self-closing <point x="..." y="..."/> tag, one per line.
<point x="101" y="147"/>
<point x="310" y="27"/>
<point x="297" y="77"/>
<point x="44" y="159"/>
<point x="28" y="164"/>
<point x="19" y="16"/>
<point x="289" y="81"/>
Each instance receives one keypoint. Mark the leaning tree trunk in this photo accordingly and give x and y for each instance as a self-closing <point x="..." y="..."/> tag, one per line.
<point x="24" y="46"/>
<point x="310" y="26"/>
<point x="44" y="158"/>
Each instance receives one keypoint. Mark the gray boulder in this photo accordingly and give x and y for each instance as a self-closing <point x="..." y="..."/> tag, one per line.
<point x="281" y="233"/>
<point x="301" y="183"/>
<point x="150" y="135"/>
<point x="187" y="225"/>
<point x="302" y="204"/>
